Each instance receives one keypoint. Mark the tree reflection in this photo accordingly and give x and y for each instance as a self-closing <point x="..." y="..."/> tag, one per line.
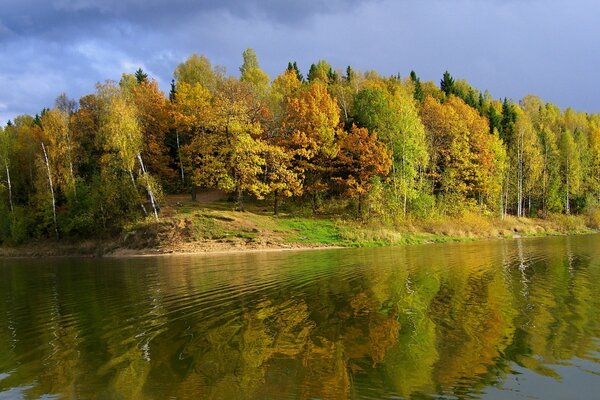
<point x="413" y="322"/>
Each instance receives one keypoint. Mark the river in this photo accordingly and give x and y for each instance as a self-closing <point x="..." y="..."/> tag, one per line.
<point x="512" y="319"/>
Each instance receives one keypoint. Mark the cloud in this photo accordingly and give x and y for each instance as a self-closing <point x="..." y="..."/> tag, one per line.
<point x="511" y="47"/>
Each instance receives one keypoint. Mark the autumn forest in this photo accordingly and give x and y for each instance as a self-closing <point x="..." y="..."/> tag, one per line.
<point x="382" y="148"/>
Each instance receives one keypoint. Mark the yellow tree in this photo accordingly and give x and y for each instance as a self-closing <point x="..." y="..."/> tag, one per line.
<point x="451" y="166"/>
<point x="198" y="69"/>
<point x="309" y="128"/>
<point x="122" y="134"/>
<point x="227" y="152"/>
<point x="155" y="119"/>
<point x="55" y="125"/>
<point x="485" y="179"/>
<point x="570" y="168"/>
<point x="282" y="174"/>
<point x="594" y="176"/>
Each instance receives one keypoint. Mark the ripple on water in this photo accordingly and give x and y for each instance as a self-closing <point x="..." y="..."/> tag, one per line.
<point x="466" y="320"/>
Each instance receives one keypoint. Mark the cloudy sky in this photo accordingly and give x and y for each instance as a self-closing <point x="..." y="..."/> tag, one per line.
<point x="511" y="47"/>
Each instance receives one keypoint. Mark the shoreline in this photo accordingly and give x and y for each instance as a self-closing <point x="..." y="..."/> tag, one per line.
<point x="85" y="250"/>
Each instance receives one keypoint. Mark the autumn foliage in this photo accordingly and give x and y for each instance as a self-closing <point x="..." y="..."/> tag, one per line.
<point x="401" y="146"/>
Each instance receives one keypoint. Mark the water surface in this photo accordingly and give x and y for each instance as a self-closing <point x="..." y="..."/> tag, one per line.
<point x="515" y="319"/>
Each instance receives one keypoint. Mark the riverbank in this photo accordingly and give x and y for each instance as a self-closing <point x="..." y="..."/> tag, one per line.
<point x="201" y="228"/>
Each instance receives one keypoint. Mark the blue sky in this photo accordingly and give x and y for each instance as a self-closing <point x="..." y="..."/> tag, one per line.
<point x="513" y="47"/>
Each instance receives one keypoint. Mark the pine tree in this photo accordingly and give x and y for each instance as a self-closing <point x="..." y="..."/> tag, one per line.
<point x="447" y="84"/>
<point x="294" y="67"/>
<point x="418" y="92"/>
<point x="141" y="76"/>
<point x="173" y="91"/>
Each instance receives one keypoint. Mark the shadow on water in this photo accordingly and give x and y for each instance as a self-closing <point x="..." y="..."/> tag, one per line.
<point x="493" y="320"/>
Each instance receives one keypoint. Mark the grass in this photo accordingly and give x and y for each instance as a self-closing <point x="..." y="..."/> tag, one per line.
<point x="218" y="222"/>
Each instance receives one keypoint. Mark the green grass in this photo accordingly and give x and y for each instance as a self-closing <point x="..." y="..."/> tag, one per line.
<point x="219" y="221"/>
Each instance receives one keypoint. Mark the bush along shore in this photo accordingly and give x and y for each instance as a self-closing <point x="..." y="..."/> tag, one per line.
<point x="333" y="158"/>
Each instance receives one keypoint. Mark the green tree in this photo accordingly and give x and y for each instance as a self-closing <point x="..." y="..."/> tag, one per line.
<point x="447" y="84"/>
<point x="570" y="168"/>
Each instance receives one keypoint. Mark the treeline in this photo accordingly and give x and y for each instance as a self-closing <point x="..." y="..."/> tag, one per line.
<point x="391" y="148"/>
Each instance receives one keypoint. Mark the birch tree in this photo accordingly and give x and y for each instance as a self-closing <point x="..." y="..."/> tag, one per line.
<point x="122" y="134"/>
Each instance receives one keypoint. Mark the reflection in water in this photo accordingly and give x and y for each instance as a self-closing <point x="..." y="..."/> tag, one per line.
<point x="483" y="320"/>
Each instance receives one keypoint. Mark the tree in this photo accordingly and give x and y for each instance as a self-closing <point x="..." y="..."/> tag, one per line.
<point x="6" y="150"/>
<point x="198" y="69"/>
<point x="282" y="178"/>
<point x="447" y="84"/>
<point x="122" y="134"/>
<point x="570" y="168"/>
<point x="294" y="68"/>
<point x="321" y="71"/>
<point x="140" y="76"/>
<point x="418" y="90"/>
<point x="155" y="118"/>
<point x="227" y="153"/>
<point x="396" y="120"/>
<point x="594" y="176"/>
<point x="309" y="128"/>
<point x="526" y="161"/>
<point x="62" y="147"/>
<point x="251" y="72"/>
<point x="361" y="157"/>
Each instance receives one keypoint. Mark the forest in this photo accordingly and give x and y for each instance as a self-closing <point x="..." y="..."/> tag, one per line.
<point x="384" y="149"/>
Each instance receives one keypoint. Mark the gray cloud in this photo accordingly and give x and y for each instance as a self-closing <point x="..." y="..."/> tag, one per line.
<point x="510" y="47"/>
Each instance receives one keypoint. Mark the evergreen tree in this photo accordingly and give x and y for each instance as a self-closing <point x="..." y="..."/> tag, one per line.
<point x="350" y="74"/>
<point x="509" y="118"/>
<point x="494" y="119"/>
<point x="173" y="91"/>
<point x="140" y="76"/>
<point x="447" y="84"/>
<point x="294" y="67"/>
<point x="418" y="91"/>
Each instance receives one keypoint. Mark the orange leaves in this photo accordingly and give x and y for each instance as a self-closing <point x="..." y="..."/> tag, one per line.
<point x="361" y="157"/>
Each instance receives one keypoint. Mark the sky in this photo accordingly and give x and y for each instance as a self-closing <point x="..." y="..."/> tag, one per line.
<point x="550" y="48"/>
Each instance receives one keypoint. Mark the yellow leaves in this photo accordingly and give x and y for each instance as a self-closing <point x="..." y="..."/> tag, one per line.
<point x="192" y="105"/>
<point x="312" y="119"/>
<point x="463" y="150"/>
<point x="121" y="130"/>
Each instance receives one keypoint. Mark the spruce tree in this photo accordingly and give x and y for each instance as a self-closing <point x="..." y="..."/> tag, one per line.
<point x="418" y="91"/>
<point x="173" y="91"/>
<point x="447" y="84"/>
<point x="141" y="76"/>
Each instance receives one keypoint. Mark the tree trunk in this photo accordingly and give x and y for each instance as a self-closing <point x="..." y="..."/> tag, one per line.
<point x="276" y="202"/>
<point x="313" y="200"/>
<point x="567" y="206"/>
<point x="136" y="190"/>
<point x="10" y="200"/>
<point x="148" y="188"/>
<point x="194" y="192"/>
<point x="179" y="157"/>
<point x="360" y="205"/>
<point x="239" y="200"/>
<point x="51" y="190"/>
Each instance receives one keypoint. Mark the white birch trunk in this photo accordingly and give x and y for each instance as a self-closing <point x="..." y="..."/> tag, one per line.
<point x="9" y="188"/>
<point x="51" y="189"/>
<point x="148" y="188"/>
<point x="136" y="190"/>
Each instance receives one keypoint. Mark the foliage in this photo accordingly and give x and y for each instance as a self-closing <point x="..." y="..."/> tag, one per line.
<point x="394" y="150"/>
